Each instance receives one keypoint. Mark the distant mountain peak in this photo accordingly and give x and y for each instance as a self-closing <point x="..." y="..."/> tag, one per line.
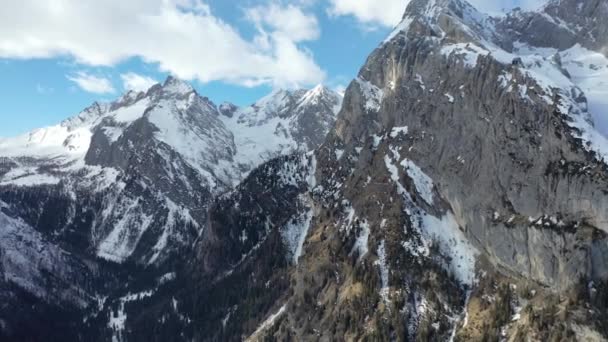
<point x="175" y="85"/>
<point x="318" y="90"/>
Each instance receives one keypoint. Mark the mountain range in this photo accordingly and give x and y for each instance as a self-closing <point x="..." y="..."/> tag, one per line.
<point x="458" y="192"/>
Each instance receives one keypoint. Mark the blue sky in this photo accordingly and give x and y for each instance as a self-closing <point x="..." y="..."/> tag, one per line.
<point x="78" y="52"/>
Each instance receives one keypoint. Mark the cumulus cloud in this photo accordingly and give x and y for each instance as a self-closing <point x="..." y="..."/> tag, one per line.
<point x="182" y="37"/>
<point x="388" y="13"/>
<point x="91" y="83"/>
<point x="137" y="82"/>
<point x="377" y="12"/>
<point x="289" y="20"/>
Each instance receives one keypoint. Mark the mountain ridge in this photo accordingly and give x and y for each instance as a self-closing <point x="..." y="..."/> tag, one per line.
<point x="460" y="195"/>
<point x="124" y="185"/>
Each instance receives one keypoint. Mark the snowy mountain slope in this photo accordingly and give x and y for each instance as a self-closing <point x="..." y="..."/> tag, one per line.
<point x="184" y="121"/>
<point x="281" y="123"/>
<point x="160" y="156"/>
<point x="38" y="266"/>
<point x="147" y="160"/>
<point x="127" y="185"/>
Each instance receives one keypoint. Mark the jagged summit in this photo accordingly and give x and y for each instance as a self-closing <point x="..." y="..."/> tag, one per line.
<point x="561" y="25"/>
<point x="455" y="20"/>
<point x="282" y="121"/>
<point x="128" y="98"/>
<point x="557" y="24"/>
<point x="177" y="86"/>
<point x="111" y="117"/>
<point x="318" y="94"/>
<point x="149" y="164"/>
<point x="282" y="102"/>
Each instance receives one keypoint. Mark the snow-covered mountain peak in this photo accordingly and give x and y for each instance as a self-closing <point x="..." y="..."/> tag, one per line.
<point x="270" y="106"/>
<point x="552" y="45"/>
<point x="320" y="95"/>
<point x="169" y="141"/>
<point x="558" y="24"/>
<point x="276" y="100"/>
<point x="69" y="140"/>
<point x="96" y="112"/>
<point x="282" y="122"/>
<point x="176" y="86"/>
<point x="316" y="93"/>
<point x="190" y="124"/>
<point x="318" y="90"/>
<point x="286" y="103"/>
<point x="87" y="116"/>
<point x="128" y="98"/>
<point x="72" y="137"/>
<point x="443" y="19"/>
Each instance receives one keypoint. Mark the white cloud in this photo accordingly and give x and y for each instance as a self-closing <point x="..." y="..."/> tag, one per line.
<point x="137" y="82"/>
<point x="288" y="20"/>
<point x="388" y="13"/>
<point x="376" y="12"/>
<point x="181" y="36"/>
<point x="92" y="84"/>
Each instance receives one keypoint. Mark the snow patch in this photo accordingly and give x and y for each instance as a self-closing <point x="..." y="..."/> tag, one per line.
<point x="443" y="230"/>
<point x="267" y="324"/>
<point x="453" y="242"/>
<point x="125" y="234"/>
<point x="450" y="97"/>
<point x="400" y="29"/>
<point x="20" y="177"/>
<point x="422" y="182"/>
<point x="360" y="246"/>
<point x="339" y="153"/>
<point x="384" y="272"/>
<point x="372" y="94"/>
<point x="294" y="234"/>
<point x="467" y="52"/>
<point x="118" y="319"/>
<point x="396" y="131"/>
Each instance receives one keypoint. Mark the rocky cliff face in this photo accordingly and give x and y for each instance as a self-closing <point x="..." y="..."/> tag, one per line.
<point x="515" y="130"/>
<point x="561" y="25"/>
